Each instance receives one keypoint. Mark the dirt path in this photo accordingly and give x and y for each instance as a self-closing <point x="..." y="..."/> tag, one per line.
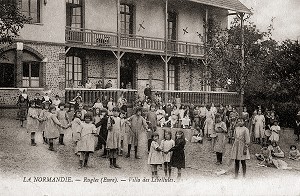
<point x="18" y="160"/>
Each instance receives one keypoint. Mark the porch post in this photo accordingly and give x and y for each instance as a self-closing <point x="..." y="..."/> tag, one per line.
<point x="119" y="43"/>
<point x="166" y="46"/>
<point x="242" y="61"/>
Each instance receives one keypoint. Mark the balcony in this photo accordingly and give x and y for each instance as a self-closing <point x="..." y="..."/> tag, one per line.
<point x="187" y="97"/>
<point x="85" y="38"/>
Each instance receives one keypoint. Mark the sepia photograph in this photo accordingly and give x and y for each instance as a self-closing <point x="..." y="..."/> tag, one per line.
<point x="149" y="97"/>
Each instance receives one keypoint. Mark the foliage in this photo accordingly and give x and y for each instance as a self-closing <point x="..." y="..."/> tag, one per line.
<point x="11" y="21"/>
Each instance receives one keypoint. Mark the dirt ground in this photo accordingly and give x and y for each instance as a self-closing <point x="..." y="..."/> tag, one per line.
<point x="20" y="161"/>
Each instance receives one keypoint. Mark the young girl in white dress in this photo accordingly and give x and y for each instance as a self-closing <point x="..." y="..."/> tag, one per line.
<point x="155" y="157"/>
<point x="166" y="144"/>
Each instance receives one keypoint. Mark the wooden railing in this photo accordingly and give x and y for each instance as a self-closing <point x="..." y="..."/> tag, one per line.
<point x="104" y="40"/>
<point x="90" y="95"/>
<point x="201" y="97"/>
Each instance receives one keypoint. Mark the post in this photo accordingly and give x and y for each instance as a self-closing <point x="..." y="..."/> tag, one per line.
<point x="119" y="45"/>
<point x="166" y="46"/>
<point x="242" y="61"/>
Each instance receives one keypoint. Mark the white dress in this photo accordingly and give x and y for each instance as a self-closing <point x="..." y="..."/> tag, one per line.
<point x="166" y="145"/>
<point x="275" y="133"/>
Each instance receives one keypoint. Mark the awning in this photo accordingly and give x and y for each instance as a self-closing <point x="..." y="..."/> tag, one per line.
<point x="233" y="5"/>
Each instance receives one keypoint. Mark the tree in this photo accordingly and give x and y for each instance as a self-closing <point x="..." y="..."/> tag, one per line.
<point x="223" y="58"/>
<point x="11" y="21"/>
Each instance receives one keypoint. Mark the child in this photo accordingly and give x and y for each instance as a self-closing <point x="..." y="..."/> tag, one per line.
<point x="275" y="128"/>
<point x="42" y="118"/>
<point x="137" y="123"/>
<point x="259" y="127"/>
<point x="46" y="99"/>
<point x="220" y="130"/>
<point x="178" y="156"/>
<point x="86" y="142"/>
<point x="161" y="116"/>
<point x="166" y="144"/>
<point x="23" y="109"/>
<point x="102" y="132"/>
<point x="56" y="102"/>
<point x="233" y="117"/>
<point x="32" y="122"/>
<point x="294" y="153"/>
<point x="297" y="126"/>
<point x="76" y="101"/>
<point x="209" y="122"/>
<point x="98" y="104"/>
<point x="64" y="120"/>
<point x="173" y="119"/>
<point x="155" y="157"/>
<point x="240" y="151"/>
<point x="110" y="106"/>
<point x="197" y="138"/>
<point x="123" y="131"/>
<point x="186" y="122"/>
<point x="152" y="119"/>
<point x="113" y="137"/>
<point x="276" y="151"/>
<point x="82" y="110"/>
<point x="181" y="115"/>
<point x="76" y="126"/>
<point x="51" y="127"/>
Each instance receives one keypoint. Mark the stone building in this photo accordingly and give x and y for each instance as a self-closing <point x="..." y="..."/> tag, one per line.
<point x="156" y="42"/>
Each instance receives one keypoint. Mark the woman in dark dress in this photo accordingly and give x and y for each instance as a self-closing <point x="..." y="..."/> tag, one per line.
<point x="178" y="156"/>
<point x="297" y="126"/>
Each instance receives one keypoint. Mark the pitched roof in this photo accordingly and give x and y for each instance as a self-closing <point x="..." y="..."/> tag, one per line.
<point x="233" y="5"/>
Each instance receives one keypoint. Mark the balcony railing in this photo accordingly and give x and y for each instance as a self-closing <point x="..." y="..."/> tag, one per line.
<point x="90" y="95"/>
<point x="201" y="97"/>
<point x="187" y="97"/>
<point x="109" y="40"/>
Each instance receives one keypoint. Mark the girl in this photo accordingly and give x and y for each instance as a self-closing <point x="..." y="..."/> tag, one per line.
<point x="151" y="117"/>
<point x="240" y="151"/>
<point x="297" y="126"/>
<point x="64" y="120"/>
<point x="86" y="142"/>
<point x="174" y="117"/>
<point x="51" y="127"/>
<point x="181" y="115"/>
<point x="110" y="106"/>
<point x="82" y="110"/>
<point x="178" y="156"/>
<point x="76" y="101"/>
<point x="252" y="125"/>
<point x="275" y="128"/>
<point x="166" y="144"/>
<point x="233" y="116"/>
<point x="42" y="118"/>
<point x="23" y="109"/>
<point x="246" y="117"/>
<point x="124" y="130"/>
<point x="46" y="98"/>
<point x="155" y="157"/>
<point x="294" y="153"/>
<point x="98" y="104"/>
<point x="56" y="102"/>
<point x="76" y="126"/>
<point x="113" y="137"/>
<point x="209" y="122"/>
<point x="259" y="127"/>
<point x="103" y="131"/>
<point x="186" y="122"/>
<point x="32" y="122"/>
<point x="161" y="116"/>
<point x="220" y="130"/>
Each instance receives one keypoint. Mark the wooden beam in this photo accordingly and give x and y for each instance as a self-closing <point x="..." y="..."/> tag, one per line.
<point x="119" y="45"/>
<point x="166" y="47"/>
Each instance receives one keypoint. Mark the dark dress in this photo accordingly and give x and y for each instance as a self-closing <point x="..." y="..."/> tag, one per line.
<point x="23" y="109"/>
<point x="297" y="127"/>
<point x="103" y="131"/>
<point x="178" y="156"/>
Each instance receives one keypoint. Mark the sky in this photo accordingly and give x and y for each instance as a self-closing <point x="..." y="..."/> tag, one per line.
<point x="287" y="17"/>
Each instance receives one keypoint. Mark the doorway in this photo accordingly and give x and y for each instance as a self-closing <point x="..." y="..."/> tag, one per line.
<point x="127" y="75"/>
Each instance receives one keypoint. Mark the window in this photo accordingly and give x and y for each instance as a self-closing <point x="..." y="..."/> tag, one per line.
<point x="74" y="13"/>
<point x="32" y="9"/>
<point x="172" y="23"/>
<point x="172" y="77"/>
<point x="31" y="74"/>
<point x="126" y="14"/>
<point x="7" y="76"/>
<point x="73" y="71"/>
